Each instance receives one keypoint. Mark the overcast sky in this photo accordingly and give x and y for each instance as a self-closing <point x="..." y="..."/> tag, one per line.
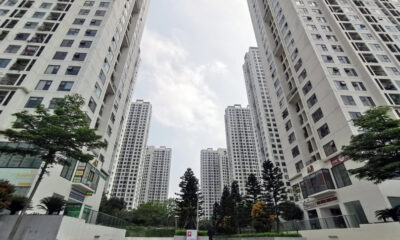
<point x="192" y="54"/>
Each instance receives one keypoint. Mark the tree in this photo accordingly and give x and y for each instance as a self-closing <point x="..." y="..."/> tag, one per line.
<point x="6" y="190"/>
<point x="262" y="217"/>
<point x="17" y="204"/>
<point x="393" y="213"/>
<point x="253" y="189"/>
<point x="188" y="200"/>
<point x="378" y="146"/>
<point x="155" y="213"/>
<point x="274" y="188"/>
<point x="111" y="206"/>
<point x="290" y="211"/>
<point x="56" y="137"/>
<point x="236" y="199"/>
<point x="52" y="204"/>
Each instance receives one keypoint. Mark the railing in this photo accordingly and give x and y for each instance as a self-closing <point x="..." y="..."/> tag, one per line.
<point x="348" y="221"/>
<point x="97" y="218"/>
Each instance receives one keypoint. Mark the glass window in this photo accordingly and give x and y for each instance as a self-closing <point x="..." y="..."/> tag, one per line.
<point x="317" y="115"/>
<point x="52" y="69"/>
<point x="65" y="86"/>
<point x="4" y="62"/>
<point x="53" y="103"/>
<point x="92" y="105"/>
<point x="330" y="148"/>
<point x="69" y="169"/>
<point x="355" y="208"/>
<point x="43" y="85"/>
<point x="60" y="55"/>
<point x="341" y="176"/>
<point x="33" y="102"/>
<point x="67" y="43"/>
<point x="394" y="201"/>
<point x="348" y="100"/>
<point x="73" y="31"/>
<point x="367" y="101"/>
<point x="12" y="49"/>
<point x="72" y="70"/>
<point x="323" y="131"/>
<point x="341" y="85"/>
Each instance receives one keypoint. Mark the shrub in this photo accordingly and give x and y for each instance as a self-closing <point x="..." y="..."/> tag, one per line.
<point x="266" y="234"/>
<point x="141" y="231"/>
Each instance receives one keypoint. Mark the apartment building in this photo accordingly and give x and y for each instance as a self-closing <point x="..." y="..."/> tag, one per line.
<point x="327" y="62"/>
<point x="241" y="145"/>
<point x="269" y="144"/>
<point x="155" y="175"/>
<point x="215" y="175"/>
<point x="51" y="48"/>
<point x="128" y="170"/>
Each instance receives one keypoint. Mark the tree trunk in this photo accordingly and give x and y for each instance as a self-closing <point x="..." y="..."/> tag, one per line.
<point x="21" y="215"/>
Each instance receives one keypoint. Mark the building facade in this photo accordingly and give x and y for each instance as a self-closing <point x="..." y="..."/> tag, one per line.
<point x="269" y="144"/>
<point x="155" y="175"/>
<point x="215" y="175"/>
<point x="128" y="170"/>
<point x="241" y="145"/>
<point x="50" y="49"/>
<point x="326" y="63"/>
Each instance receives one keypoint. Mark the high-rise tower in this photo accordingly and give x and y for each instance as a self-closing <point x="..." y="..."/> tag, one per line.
<point x="326" y="63"/>
<point x="128" y="169"/>
<point x="269" y="144"/>
<point x="53" y="48"/>
<point x="215" y="174"/>
<point x="241" y="143"/>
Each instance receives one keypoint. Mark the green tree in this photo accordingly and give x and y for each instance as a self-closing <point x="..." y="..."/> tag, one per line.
<point x="274" y="188"/>
<point x="262" y="217"/>
<point x="111" y="206"/>
<point x="17" y="204"/>
<point x="52" y="204"/>
<point x="6" y="191"/>
<point x="378" y="146"/>
<point x="290" y="211"/>
<point x="236" y="200"/>
<point x="224" y="211"/>
<point x="253" y="189"/>
<point x="188" y="199"/>
<point x="58" y="135"/>
<point x="155" y="213"/>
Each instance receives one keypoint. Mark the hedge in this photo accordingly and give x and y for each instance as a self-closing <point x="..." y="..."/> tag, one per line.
<point x="182" y="232"/>
<point x="141" y="231"/>
<point x="266" y="234"/>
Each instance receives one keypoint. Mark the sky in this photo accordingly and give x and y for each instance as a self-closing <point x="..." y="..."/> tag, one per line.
<point x="192" y="55"/>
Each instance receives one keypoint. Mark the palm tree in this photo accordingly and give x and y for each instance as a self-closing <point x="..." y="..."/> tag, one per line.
<point x="17" y="204"/>
<point x="52" y="204"/>
<point x="393" y="213"/>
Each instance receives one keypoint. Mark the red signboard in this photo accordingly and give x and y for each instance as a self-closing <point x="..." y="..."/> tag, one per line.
<point x="338" y="160"/>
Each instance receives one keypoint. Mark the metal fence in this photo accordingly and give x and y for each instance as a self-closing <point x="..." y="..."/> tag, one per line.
<point x="97" y="218"/>
<point x="346" y="221"/>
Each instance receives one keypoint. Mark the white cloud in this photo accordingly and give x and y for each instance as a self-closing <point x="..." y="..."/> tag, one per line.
<point x="179" y="93"/>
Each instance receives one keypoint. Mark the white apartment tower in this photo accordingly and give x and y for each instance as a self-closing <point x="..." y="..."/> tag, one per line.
<point x="128" y="169"/>
<point x="327" y="62"/>
<point x="241" y="143"/>
<point x="51" y="48"/>
<point x="269" y="144"/>
<point x="215" y="175"/>
<point x="155" y="175"/>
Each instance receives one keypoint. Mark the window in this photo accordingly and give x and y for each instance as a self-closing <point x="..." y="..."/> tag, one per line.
<point x="60" y="55"/>
<point x="330" y="148"/>
<point x="348" y="100"/>
<point x="46" y="5"/>
<point x="79" y="56"/>
<point x="97" y="89"/>
<point x="327" y="59"/>
<point x="358" y="86"/>
<point x="22" y="36"/>
<point x="38" y="15"/>
<point x="90" y="32"/>
<point x="43" y="85"/>
<point x="295" y="151"/>
<point x="100" y="13"/>
<point x="317" y="182"/>
<point x="68" y="169"/>
<point x="88" y="3"/>
<point x="85" y="44"/>
<point x="317" y="115"/>
<point x="53" y="102"/>
<point x="344" y="59"/>
<point x="292" y="138"/>
<point x="33" y="102"/>
<point x="79" y="21"/>
<point x="4" y="62"/>
<point x="354" y="208"/>
<point x="92" y="105"/>
<point x="341" y="176"/>
<point x="312" y="101"/>
<point x="65" y="86"/>
<point x="341" y="85"/>
<point x="367" y="101"/>
<point x="392" y="71"/>
<point x="322" y="47"/>
<point x="84" y="11"/>
<point x="334" y="71"/>
<point x="307" y="88"/>
<point x="350" y="72"/>
<point x="102" y="77"/>
<point x="104" y="4"/>
<point x="12" y="49"/>
<point x="66" y="43"/>
<point x="354" y="115"/>
<point x="323" y="131"/>
<point x="95" y="22"/>
<point x="337" y="48"/>
<point x="383" y="58"/>
<point x="299" y="165"/>
<point x="73" y="31"/>
<point x="52" y="69"/>
<point x="31" y="25"/>
<point x="72" y="70"/>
